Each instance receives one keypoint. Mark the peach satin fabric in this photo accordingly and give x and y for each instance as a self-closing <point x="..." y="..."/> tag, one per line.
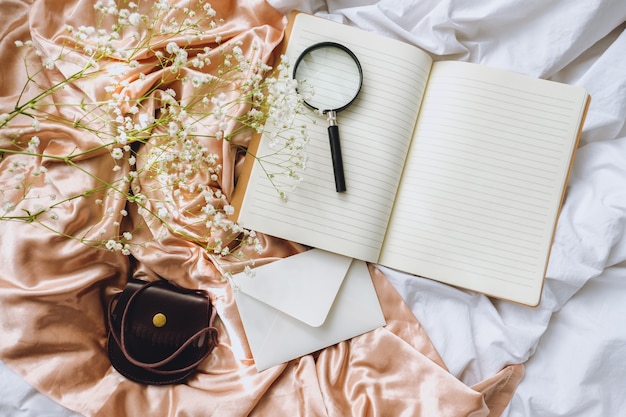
<point x="53" y="290"/>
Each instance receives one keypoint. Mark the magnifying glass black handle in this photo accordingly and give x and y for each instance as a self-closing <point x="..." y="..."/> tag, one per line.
<point x="335" y="153"/>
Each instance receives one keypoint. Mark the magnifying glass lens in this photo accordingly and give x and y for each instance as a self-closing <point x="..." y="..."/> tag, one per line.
<point x="333" y="75"/>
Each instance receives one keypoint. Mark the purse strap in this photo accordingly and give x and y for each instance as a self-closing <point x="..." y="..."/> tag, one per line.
<point x="153" y="367"/>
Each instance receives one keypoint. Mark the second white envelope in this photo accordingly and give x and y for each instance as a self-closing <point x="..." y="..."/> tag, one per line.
<point x="303" y="303"/>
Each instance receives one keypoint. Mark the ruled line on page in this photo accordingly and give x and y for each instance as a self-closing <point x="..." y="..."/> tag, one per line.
<point x="480" y="163"/>
<point x="535" y="97"/>
<point x="489" y="187"/>
<point x="549" y="156"/>
<point x="464" y="265"/>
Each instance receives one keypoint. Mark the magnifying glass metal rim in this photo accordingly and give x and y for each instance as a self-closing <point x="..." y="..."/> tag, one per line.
<point x="325" y="44"/>
<point x="333" y="129"/>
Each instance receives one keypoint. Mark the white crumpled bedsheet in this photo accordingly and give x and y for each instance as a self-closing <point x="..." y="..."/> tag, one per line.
<point x="574" y="343"/>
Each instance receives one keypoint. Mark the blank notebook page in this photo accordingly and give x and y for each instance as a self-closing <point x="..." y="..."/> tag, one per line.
<point x="375" y="135"/>
<point x="482" y="187"/>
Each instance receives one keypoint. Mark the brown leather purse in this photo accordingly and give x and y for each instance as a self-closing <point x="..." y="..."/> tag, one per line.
<point x="159" y="332"/>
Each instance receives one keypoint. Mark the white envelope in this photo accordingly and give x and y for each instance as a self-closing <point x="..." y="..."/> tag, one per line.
<point x="303" y="303"/>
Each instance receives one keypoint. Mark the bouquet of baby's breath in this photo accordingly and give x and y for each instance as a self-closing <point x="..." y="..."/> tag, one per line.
<point x="151" y="90"/>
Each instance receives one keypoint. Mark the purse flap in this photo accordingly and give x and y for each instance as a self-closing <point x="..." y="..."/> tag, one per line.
<point x="303" y="286"/>
<point x="172" y="315"/>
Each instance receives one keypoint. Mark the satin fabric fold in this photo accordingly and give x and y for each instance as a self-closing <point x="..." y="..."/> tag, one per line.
<point x="54" y="290"/>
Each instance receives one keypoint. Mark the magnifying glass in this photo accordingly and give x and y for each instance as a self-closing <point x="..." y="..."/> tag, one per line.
<point x="335" y="75"/>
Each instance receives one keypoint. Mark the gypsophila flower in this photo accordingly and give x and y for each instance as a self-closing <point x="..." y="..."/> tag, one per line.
<point x="117" y="153"/>
<point x="113" y="245"/>
<point x="172" y="47"/>
<point x="33" y="144"/>
<point x="134" y="19"/>
<point x="121" y="138"/>
<point x="169" y="93"/>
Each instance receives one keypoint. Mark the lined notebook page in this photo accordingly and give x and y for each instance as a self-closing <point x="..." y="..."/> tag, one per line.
<point x="484" y="180"/>
<point x="375" y="136"/>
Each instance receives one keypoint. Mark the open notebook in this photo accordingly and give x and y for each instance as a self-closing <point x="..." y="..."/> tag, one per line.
<point x="454" y="171"/>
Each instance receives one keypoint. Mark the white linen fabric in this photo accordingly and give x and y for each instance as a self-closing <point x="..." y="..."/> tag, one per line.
<point x="574" y="342"/>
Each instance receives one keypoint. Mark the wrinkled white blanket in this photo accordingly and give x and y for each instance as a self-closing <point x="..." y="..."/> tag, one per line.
<point x="574" y="343"/>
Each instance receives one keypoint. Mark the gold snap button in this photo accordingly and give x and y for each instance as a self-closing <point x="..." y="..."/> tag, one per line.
<point x="159" y="320"/>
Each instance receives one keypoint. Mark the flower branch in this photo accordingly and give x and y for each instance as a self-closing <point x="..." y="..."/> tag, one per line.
<point x="173" y="90"/>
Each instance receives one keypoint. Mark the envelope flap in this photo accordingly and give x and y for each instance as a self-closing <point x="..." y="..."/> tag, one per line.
<point x="303" y="286"/>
